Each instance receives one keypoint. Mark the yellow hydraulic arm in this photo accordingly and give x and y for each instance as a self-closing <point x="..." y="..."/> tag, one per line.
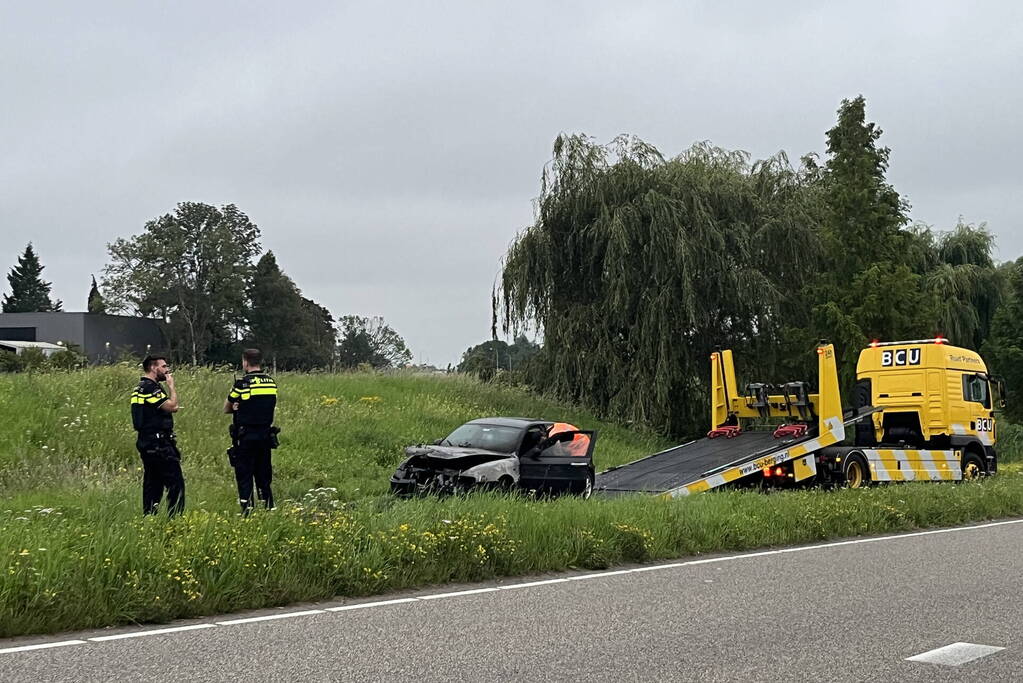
<point x="728" y="408"/>
<point x="795" y="403"/>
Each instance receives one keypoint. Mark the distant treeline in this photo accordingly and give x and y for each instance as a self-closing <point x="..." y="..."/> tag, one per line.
<point x="197" y="270"/>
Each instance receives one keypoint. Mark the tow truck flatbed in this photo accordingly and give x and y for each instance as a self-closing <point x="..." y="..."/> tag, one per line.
<point x="702" y="464"/>
<point x="686" y="463"/>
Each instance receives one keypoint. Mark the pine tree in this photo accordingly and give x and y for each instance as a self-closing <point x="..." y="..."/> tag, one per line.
<point x="29" y="294"/>
<point x="872" y="281"/>
<point x="865" y="213"/>
<point x="96" y="303"/>
<point x="296" y="332"/>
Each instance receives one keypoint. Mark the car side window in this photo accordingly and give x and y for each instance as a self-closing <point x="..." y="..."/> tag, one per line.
<point x="975" y="390"/>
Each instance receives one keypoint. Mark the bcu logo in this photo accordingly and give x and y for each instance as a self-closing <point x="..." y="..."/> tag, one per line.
<point x="900" y="357"/>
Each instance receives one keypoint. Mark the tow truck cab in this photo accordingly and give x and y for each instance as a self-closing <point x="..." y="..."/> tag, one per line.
<point x="934" y="395"/>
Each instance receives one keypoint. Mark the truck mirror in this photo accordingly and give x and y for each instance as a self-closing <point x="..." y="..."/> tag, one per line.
<point x="999" y="388"/>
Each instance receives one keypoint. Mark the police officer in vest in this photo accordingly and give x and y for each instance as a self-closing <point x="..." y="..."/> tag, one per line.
<point x="152" y="416"/>
<point x="252" y="401"/>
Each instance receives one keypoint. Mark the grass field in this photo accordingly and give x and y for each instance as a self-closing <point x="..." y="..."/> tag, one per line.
<point x="75" y="553"/>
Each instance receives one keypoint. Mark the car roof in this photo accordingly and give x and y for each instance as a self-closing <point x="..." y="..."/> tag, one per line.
<point x="509" y="421"/>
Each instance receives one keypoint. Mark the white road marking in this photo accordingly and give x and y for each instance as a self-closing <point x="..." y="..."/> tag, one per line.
<point x="544" y="582"/>
<point x="530" y="584"/>
<point x="599" y="575"/>
<point x="364" y="605"/>
<point x="438" y="596"/>
<point x="955" y="654"/>
<point x="42" y="646"/>
<point x="151" y="632"/>
<point x="270" y="617"/>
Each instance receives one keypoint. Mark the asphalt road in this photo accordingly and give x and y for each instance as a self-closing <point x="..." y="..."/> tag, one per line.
<point x="838" y="612"/>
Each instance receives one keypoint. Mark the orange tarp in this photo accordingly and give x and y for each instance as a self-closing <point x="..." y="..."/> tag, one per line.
<point x="579" y="444"/>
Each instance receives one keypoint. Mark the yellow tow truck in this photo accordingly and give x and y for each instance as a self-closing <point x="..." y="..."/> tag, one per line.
<point x="924" y="411"/>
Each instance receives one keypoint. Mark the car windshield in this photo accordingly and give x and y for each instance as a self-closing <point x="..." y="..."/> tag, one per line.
<point x="488" y="437"/>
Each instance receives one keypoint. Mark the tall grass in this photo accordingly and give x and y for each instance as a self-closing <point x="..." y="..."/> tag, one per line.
<point x="65" y="433"/>
<point x="74" y="552"/>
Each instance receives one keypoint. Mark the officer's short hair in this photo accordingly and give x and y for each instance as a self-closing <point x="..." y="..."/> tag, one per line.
<point x="253" y="356"/>
<point x="149" y="361"/>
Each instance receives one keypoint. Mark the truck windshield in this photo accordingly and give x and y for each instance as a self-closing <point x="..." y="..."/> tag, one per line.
<point x="488" y="437"/>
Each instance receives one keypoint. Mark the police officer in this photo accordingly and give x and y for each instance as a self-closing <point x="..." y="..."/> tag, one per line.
<point x="252" y="401"/>
<point x="152" y="415"/>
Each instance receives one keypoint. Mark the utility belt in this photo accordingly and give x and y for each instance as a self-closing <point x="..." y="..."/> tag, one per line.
<point x="151" y="436"/>
<point x="161" y="444"/>
<point x="250" y="435"/>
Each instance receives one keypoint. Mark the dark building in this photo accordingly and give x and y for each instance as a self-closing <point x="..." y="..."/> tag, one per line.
<point x="99" y="336"/>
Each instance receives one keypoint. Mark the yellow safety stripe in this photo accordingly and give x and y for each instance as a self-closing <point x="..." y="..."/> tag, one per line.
<point x="235" y="394"/>
<point x="141" y="397"/>
<point x="913" y="465"/>
<point x="264" y="391"/>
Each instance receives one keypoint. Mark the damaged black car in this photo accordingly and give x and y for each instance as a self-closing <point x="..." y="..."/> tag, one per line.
<point x="501" y="453"/>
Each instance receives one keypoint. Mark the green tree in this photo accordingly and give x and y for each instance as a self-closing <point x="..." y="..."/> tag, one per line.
<point x="69" y="358"/>
<point x="966" y="286"/>
<point x="865" y="215"/>
<point x="485" y="359"/>
<point x="297" y="333"/>
<point x="29" y="294"/>
<point x="1003" y="350"/>
<point x="370" y="341"/>
<point x="872" y="280"/>
<point x="192" y="268"/>
<point x="96" y="302"/>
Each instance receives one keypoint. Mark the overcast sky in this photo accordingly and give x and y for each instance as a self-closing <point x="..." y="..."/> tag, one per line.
<point x="390" y="152"/>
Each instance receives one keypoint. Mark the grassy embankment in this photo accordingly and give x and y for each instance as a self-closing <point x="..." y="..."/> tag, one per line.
<point x="74" y="552"/>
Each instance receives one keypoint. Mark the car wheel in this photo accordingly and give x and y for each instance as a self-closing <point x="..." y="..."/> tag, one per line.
<point x="587" y="491"/>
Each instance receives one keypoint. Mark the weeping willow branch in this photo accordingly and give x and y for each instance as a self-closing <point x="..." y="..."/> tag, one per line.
<point x="637" y="267"/>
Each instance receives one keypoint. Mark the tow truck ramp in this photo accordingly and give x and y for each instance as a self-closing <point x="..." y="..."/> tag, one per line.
<point x="711" y="462"/>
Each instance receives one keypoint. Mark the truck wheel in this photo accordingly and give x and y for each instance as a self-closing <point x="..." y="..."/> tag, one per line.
<point x="973" y="467"/>
<point x="855" y="471"/>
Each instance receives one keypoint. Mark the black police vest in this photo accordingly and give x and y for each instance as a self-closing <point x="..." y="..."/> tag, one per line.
<point x="256" y="396"/>
<point x="146" y="416"/>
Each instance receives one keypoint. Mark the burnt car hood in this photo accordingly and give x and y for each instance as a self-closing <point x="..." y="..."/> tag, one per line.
<point x="452" y="456"/>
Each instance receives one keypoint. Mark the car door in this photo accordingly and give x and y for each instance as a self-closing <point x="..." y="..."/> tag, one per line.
<point x="560" y="464"/>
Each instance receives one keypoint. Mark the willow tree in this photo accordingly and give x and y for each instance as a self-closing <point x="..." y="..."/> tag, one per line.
<point x="637" y="267"/>
<point x="966" y="285"/>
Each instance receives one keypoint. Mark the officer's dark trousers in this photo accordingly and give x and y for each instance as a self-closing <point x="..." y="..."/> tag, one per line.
<point x="161" y="470"/>
<point x="252" y="462"/>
